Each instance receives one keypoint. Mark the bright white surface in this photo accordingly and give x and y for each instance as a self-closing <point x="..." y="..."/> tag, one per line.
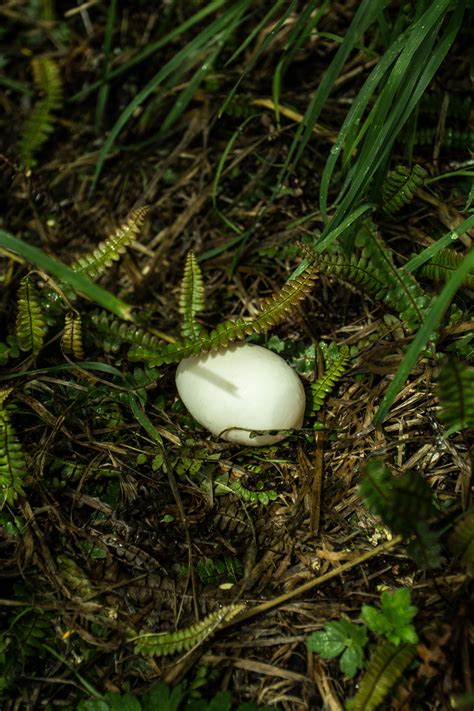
<point x="242" y="386"/>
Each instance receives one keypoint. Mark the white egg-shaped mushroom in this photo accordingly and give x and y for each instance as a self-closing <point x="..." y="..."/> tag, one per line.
<point x="237" y="390"/>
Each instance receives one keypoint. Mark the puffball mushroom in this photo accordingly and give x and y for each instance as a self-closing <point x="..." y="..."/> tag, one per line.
<point x="243" y="386"/>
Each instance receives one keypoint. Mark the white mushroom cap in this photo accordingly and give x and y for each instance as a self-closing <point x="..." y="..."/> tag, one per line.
<point x="243" y="386"/>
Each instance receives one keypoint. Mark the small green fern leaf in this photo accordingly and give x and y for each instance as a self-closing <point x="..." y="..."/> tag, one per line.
<point x="30" y="324"/>
<point x="372" y="269"/>
<point x="405" y="503"/>
<point x="40" y="122"/>
<point x="385" y="668"/>
<point x="113" y="333"/>
<point x="400" y="185"/>
<point x="355" y="269"/>
<point x="71" y="340"/>
<point x="95" y="264"/>
<point x="254" y="496"/>
<point x="12" y="459"/>
<point x="461" y="541"/>
<point x="402" y="292"/>
<point x="273" y="310"/>
<point x="326" y="382"/>
<point x="191" y="299"/>
<point x="443" y="264"/>
<point x="456" y="396"/>
<point x="185" y="639"/>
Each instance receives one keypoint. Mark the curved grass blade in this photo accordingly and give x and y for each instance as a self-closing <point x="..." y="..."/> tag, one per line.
<point x="63" y="273"/>
<point x="105" y="87"/>
<point x="417" y="261"/>
<point x="151" y="49"/>
<point x="430" y="324"/>
<point x="418" y="59"/>
<point x="366" y="13"/>
<point x="177" y="65"/>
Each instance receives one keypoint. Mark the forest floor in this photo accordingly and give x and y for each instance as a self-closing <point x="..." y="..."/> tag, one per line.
<point x="136" y="520"/>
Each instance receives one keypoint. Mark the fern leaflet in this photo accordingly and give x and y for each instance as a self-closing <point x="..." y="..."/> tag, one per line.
<point x="335" y="368"/>
<point x="71" y="340"/>
<point x="442" y="266"/>
<point x="400" y="185"/>
<point x="185" y="639"/>
<point x="113" y="333"/>
<point x="273" y="310"/>
<point x="191" y="299"/>
<point x="402" y="291"/>
<point x="12" y="459"/>
<point x="30" y="324"/>
<point x="456" y="396"/>
<point x="405" y="504"/>
<point x="385" y="667"/>
<point x="254" y="496"/>
<point x="461" y="541"/>
<point x="40" y="122"/>
<point x="372" y="269"/>
<point x="95" y="264"/>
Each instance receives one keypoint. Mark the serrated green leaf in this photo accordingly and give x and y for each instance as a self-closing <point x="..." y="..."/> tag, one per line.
<point x="351" y="660"/>
<point x="393" y="621"/>
<point x="339" y="637"/>
<point x="127" y="702"/>
<point x="161" y="697"/>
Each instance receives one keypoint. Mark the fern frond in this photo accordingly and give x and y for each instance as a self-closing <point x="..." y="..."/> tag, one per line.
<point x="405" y="504"/>
<point x="458" y="107"/>
<point x="354" y="268"/>
<point x="385" y="668"/>
<point x="402" y="292"/>
<point x="215" y="571"/>
<point x="93" y="265"/>
<point x="71" y="340"/>
<point x="456" y="396"/>
<point x="191" y="299"/>
<point x="400" y="185"/>
<point x="326" y="382"/>
<point x="12" y="459"/>
<point x="372" y="269"/>
<point x="113" y="333"/>
<point x="253" y="496"/>
<point x="185" y="639"/>
<point x="461" y="541"/>
<point x="401" y="501"/>
<point x="273" y="310"/>
<point x="30" y="324"/>
<point x="40" y="122"/>
<point x="452" y="138"/>
<point x="442" y="266"/>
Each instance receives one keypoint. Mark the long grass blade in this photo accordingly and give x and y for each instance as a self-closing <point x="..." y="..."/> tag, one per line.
<point x="411" y="74"/>
<point x="63" y="273"/>
<point x="151" y="48"/>
<point x="177" y="65"/>
<point x="431" y="323"/>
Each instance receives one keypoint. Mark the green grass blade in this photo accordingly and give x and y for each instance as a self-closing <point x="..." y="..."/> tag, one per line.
<point x="411" y="74"/>
<point x="268" y="39"/>
<point x="418" y="260"/>
<point x="151" y="48"/>
<point x="178" y="64"/>
<point x="220" y="167"/>
<point x="365" y="15"/>
<point x="63" y="273"/>
<point x="301" y="30"/>
<point x="324" y="242"/>
<point x="105" y="88"/>
<point x="355" y="114"/>
<point x="431" y="323"/>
